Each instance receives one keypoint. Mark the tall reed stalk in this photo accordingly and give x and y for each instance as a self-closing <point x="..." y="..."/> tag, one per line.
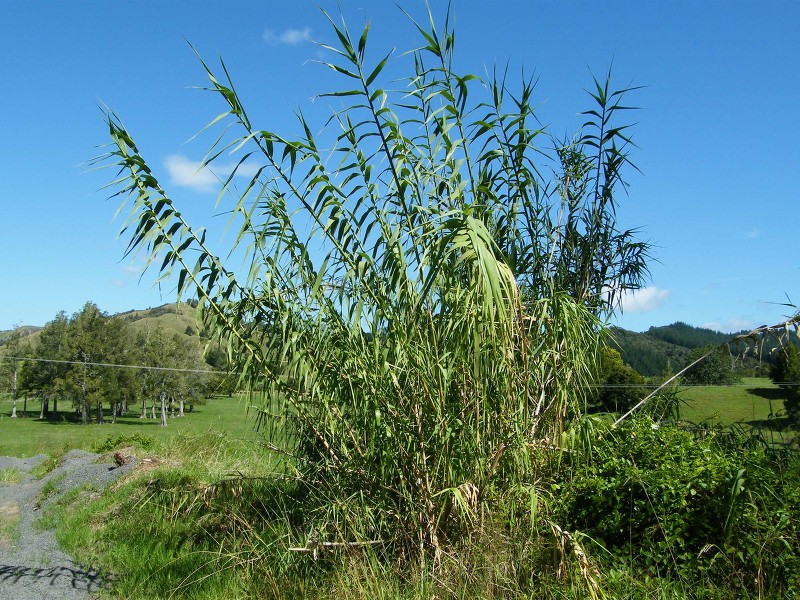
<point x="421" y="304"/>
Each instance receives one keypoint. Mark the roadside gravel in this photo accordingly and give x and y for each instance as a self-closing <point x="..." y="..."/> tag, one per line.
<point x="32" y="565"/>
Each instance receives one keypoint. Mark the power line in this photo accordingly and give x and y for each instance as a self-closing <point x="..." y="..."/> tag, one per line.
<point x="603" y="386"/>
<point x="98" y="364"/>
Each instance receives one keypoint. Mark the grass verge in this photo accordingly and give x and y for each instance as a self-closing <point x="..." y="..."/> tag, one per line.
<point x="9" y="523"/>
<point x="211" y="517"/>
<point x="160" y="531"/>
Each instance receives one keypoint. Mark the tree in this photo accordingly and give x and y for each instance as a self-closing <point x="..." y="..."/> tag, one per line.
<point x="170" y="378"/>
<point x="421" y="309"/>
<point x="10" y="368"/>
<point x="65" y="363"/>
<point x="715" y="369"/>
<point x="619" y="386"/>
<point x="45" y="375"/>
<point x="786" y="374"/>
<point x="93" y="337"/>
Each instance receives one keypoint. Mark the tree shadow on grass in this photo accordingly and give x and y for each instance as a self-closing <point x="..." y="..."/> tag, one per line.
<point x="773" y="424"/>
<point x="768" y="393"/>
<point x="70" y="418"/>
<point x="120" y="423"/>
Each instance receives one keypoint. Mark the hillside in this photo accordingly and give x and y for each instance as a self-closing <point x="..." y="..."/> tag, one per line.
<point x="664" y="348"/>
<point x="180" y="318"/>
<point x="651" y="353"/>
<point x="25" y="330"/>
<point x="685" y="336"/>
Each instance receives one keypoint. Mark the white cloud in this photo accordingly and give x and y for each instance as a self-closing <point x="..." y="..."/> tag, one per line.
<point x="188" y="173"/>
<point x="191" y="174"/>
<point x="290" y="37"/>
<point x="643" y="300"/>
<point x="118" y="283"/>
<point x="730" y="326"/>
<point x="753" y="233"/>
<point x="133" y="269"/>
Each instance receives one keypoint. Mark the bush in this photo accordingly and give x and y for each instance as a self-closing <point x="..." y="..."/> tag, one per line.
<point x="713" y="509"/>
<point x="619" y="386"/>
<point x="406" y="310"/>
<point x="112" y="442"/>
<point x="786" y="374"/>
<point x="715" y="369"/>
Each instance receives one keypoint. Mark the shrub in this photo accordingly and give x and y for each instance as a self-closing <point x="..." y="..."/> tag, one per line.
<point x="713" y="509"/>
<point x="786" y="374"/>
<point x="618" y="386"/>
<point x="715" y="369"/>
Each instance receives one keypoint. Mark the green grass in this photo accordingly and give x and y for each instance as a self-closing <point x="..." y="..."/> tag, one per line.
<point x="166" y="523"/>
<point x="159" y="530"/>
<point x="9" y="525"/>
<point x="49" y="489"/>
<point x="756" y="402"/>
<point x="27" y="436"/>
<point x="10" y="475"/>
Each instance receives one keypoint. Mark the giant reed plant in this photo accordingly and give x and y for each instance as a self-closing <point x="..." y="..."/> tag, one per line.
<point x="421" y="304"/>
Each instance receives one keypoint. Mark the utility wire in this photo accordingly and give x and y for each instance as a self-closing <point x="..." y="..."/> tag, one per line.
<point x="98" y="364"/>
<point x="604" y="386"/>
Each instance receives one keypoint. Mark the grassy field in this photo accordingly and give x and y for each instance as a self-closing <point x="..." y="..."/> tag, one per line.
<point x="191" y="522"/>
<point x="755" y="402"/>
<point x="27" y="436"/>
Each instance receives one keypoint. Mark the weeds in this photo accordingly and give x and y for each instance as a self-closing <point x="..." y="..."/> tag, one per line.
<point x="10" y="518"/>
<point x="49" y="489"/>
<point x="112" y="442"/>
<point x="10" y="475"/>
<point x="52" y="461"/>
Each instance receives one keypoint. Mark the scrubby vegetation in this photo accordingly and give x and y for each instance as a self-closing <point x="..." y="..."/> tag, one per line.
<point x="646" y="508"/>
<point x="420" y="325"/>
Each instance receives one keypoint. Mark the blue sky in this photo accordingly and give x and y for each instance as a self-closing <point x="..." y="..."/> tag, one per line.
<point x="717" y="132"/>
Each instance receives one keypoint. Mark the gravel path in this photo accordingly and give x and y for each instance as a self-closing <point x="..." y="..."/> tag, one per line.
<point x="32" y="566"/>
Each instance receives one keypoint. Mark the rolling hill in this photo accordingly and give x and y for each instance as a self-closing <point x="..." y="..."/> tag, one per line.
<point x="651" y="353"/>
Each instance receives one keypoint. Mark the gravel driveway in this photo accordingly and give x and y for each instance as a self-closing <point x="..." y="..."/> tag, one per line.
<point x="32" y="566"/>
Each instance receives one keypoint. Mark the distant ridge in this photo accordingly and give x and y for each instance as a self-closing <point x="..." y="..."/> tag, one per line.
<point x="23" y="329"/>
<point x="663" y="348"/>
<point x="180" y="318"/>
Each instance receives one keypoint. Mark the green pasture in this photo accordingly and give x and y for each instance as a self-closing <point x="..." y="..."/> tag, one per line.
<point x="756" y="402"/>
<point x="27" y="435"/>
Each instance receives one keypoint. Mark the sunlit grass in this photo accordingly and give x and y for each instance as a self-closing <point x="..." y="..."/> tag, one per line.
<point x="9" y="525"/>
<point x="755" y="401"/>
<point x="10" y="475"/>
<point x="159" y="531"/>
<point x="28" y="436"/>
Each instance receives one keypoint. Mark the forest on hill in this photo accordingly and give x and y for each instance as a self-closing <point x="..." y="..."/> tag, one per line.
<point x="664" y="349"/>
